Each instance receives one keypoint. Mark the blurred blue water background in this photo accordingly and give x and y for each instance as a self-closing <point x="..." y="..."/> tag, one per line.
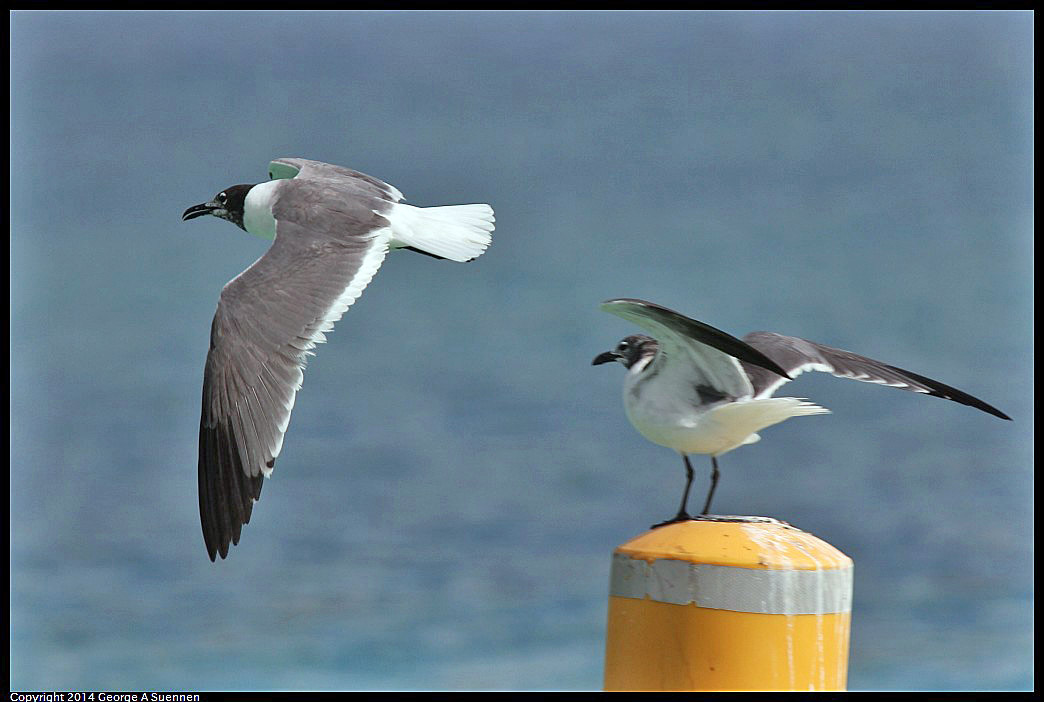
<point x="456" y="474"/>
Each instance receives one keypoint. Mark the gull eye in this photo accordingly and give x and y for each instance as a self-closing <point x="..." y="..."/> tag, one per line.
<point x="623" y="346"/>
<point x="222" y="197"/>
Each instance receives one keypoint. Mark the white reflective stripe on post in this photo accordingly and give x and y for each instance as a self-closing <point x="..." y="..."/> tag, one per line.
<point x="759" y="590"/>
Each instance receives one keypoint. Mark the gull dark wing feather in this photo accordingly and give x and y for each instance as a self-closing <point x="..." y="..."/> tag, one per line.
<point x="226" y="492"/>
<point x="799" y="355"/>
<point x="634" y="309"/>
<point x="267" y="321"/>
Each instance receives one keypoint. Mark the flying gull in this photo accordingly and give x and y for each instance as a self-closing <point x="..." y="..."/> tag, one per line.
<point x="332" y="229"/>
<point x="696" y="389"/>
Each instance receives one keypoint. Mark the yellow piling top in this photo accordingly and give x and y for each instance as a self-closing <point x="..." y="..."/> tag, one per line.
<point x="728" y="603"/>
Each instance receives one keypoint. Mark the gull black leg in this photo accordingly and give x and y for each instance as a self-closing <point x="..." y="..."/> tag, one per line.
<point x="714" y="484"/>
<point x="683" y="513"/>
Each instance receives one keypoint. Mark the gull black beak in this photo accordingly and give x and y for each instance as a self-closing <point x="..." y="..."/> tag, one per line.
<point x="199" y="210"/>
<point x="607" y="357"/>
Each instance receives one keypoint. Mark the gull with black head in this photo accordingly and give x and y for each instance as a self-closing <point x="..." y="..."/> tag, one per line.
<point x="332" y="228"/>
<point x="697" y="389"/>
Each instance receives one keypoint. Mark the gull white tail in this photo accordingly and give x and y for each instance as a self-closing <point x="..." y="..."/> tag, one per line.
<point x="737" y="423"/>
<point x="457" y="232"/>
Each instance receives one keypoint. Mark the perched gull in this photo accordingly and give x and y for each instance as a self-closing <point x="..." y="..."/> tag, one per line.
<point x="696" y="389"/>
<point x="332" y="228"/>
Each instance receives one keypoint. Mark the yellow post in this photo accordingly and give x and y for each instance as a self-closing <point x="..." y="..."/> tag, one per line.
<point x="746" y="604"/>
